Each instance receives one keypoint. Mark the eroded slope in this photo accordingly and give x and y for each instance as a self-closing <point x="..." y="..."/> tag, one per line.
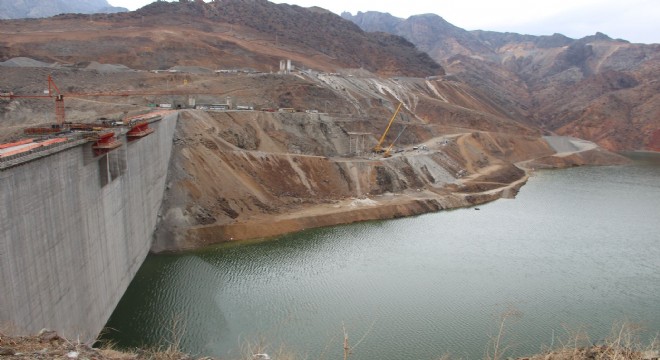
<point x="240" y="175"/>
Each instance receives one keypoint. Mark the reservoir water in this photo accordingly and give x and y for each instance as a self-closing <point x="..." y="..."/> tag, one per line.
<point x="578" y="249"/>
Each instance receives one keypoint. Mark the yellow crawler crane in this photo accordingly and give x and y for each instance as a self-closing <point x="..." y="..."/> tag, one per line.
<point x="379" y="147"/>
<point x="387" y="152"/>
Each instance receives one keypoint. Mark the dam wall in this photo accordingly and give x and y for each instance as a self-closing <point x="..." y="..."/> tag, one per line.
<point x="74" y="230"/>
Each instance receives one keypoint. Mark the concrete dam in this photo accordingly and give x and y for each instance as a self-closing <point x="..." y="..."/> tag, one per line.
<point x="74" y="230"/>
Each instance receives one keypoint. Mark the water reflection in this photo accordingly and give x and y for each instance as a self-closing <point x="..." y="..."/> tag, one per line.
<point x="576" y="248"/>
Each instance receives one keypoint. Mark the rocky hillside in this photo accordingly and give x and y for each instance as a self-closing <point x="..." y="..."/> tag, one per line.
<point x="227" y="34"/>
<point x="313" y="29"/>
<point x="13" y="9"/>
<point x="250" y="174"/>
<point x="596" y="88"/>
<point x="430" y="32"/>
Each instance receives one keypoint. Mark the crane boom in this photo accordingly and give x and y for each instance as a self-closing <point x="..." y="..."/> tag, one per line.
<point x="53" y="92"/>
<point x="52" y="86"/>
<point x="389" y="148"/>
<point x="378" y="147"/>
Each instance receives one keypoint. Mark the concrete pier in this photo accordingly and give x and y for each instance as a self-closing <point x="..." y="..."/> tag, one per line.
<point x="75" y="228"/>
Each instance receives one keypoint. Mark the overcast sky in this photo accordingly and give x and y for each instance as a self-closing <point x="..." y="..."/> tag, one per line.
<point x="633" y="20"/>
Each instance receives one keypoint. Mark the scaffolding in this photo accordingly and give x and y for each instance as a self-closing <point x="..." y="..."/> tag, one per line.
<point x="356" y="141"/>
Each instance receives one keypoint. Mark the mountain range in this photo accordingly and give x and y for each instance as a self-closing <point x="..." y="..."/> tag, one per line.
<point x="19" y="9"/>
<point x="596" y="88"/>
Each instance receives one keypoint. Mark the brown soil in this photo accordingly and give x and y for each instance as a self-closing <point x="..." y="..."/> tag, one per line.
<point x="245" y="175"/>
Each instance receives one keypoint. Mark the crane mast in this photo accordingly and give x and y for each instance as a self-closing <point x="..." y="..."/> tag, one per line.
<point x="59" y="101"/>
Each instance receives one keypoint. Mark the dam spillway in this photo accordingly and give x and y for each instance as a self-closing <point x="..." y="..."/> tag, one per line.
<point x="74" y="230"/>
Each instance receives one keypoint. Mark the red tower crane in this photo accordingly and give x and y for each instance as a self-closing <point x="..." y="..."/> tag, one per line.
<point x="59" y="101"/>
<point x="104" y="139"/>
<point x="53" y="92"/>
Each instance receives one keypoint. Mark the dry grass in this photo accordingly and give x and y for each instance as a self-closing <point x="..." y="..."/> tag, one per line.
<point x="498" y="345"/>
<point x="624" y="343"/>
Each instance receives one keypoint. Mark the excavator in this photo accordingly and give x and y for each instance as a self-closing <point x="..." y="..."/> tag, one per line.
<point x="379" y="147"/>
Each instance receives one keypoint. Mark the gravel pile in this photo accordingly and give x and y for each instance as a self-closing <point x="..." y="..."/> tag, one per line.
<point x="26" y="62"/>
<point x="107" y="68"/>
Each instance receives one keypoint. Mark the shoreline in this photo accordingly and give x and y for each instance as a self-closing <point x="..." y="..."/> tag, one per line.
<point x="372" y="197"/>
<point x="48" y="344"/>
<point x="380" y="207"/>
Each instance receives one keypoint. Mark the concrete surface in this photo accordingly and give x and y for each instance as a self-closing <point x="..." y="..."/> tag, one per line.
<point x="74" y="229"/>
<point x="568" y="145"/>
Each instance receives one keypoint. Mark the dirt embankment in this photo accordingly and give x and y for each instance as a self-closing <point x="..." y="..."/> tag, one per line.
<point x="242" y="175"/>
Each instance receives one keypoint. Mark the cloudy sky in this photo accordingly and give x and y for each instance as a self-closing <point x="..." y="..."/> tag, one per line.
<point x="633" y="20"/>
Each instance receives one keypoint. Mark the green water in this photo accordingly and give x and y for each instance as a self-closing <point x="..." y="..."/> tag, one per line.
<point x="577" y="249"/>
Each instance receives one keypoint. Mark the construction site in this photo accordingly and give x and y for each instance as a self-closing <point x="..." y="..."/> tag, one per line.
<point x="186" y="124"/>
<point x="114" y="177"/>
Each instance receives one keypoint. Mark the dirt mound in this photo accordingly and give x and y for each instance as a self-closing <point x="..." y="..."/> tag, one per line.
<point x="25" y="62"/>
